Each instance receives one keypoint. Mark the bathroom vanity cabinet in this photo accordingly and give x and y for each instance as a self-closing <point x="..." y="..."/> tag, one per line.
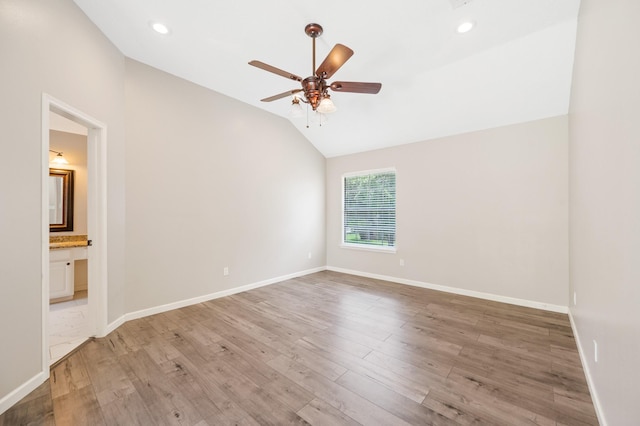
<point x="61" y="271"/>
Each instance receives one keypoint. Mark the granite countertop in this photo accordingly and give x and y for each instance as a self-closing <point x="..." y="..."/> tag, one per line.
<point x="67" y="241"/>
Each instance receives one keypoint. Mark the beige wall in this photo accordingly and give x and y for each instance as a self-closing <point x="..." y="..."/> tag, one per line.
<point x="605" y="202"/>
<point x="484" y="212"/>
<point x="74" y="148"/>
<point x="213" y="183"/>
<point x="48" y="46"/>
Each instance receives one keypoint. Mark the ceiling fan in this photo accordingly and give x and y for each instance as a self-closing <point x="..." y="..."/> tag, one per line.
<point x="315" y="87"/>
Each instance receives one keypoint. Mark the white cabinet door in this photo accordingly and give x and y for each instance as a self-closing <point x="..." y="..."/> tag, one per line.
<point x="61" y="271"/>
<point x="60" y="279"/>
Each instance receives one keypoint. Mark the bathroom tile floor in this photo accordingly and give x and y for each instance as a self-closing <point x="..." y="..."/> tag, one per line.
<point x="68" y="325"/>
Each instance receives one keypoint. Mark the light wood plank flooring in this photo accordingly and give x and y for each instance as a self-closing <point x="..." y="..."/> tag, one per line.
<point x="323" y="349"/>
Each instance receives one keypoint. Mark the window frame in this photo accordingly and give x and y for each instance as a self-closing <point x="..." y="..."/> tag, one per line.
<point x="368" y="247"/>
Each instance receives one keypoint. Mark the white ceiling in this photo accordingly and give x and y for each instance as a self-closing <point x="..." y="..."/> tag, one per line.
<point x="514" y="66"/>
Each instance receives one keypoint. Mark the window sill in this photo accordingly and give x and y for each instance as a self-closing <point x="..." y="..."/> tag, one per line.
<point x="363" y="247"/>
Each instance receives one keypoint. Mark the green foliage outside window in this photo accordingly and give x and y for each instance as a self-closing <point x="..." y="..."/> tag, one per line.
<point x="370" y="209"/>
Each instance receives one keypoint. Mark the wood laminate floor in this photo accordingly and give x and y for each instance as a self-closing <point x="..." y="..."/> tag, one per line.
<point x="323" y="349"/>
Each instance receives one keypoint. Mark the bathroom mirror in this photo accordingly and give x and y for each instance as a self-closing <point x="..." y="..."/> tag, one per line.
<point x="60" y="200"/>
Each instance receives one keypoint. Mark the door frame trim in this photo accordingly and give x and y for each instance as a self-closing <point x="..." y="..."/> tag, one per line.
<point x="96" y="218"/>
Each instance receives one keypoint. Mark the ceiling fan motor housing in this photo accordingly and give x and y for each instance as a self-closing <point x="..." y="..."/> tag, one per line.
<point x="314" y="87"/>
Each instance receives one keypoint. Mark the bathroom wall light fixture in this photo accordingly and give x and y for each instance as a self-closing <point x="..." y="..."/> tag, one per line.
<point x="58" y="159"/>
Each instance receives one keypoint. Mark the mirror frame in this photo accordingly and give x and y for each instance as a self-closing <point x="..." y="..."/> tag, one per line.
<point x="67" y="200"/>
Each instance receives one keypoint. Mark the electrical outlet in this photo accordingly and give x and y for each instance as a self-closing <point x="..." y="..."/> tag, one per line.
<point x="225" y="271"/>
<point x="401" y="262"/>
<point x="595" y="351"/>
<point x="575" y="298"/>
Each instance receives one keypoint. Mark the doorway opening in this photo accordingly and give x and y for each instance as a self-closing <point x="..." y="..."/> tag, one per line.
<point x="69" y="321"/>
<point x="73" y="261"/>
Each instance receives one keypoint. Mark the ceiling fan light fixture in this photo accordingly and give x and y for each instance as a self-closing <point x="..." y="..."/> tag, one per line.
<point x="326" y="105"/>
<point x="296" y="110"/>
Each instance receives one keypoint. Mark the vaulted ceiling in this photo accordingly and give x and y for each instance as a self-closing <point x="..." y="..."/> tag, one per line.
<point x="515" y="65"/>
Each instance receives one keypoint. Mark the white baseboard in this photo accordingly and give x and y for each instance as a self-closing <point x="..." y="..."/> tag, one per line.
<point x="460" y="291"/>
<point x="204" y="298"/>
<point x="23" y="390"/>
<point x="587" y="373"/>
<point x="112" y="326"/>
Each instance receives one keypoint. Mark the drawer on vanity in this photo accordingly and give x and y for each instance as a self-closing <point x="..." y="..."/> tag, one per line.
<point x="59" y="255"/>
<point x="74" y="253"/>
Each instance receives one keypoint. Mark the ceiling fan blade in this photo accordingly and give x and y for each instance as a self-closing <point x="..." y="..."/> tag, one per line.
<point x="281" y="95"/>
<point x="334" y="60"/>
<point x="356" y="87"/>
<point x="275" y="70"/>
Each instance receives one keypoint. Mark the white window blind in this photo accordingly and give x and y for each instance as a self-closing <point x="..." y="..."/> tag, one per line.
<point x="370" y="209"/>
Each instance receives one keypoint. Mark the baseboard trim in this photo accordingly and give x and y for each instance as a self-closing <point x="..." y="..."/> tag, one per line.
<point x="205" y="298"/>
<point x="587" y="373"/>
<point x="113" y="325"/>
<point x="460" y="291"/>
<point x="23" y="390"/>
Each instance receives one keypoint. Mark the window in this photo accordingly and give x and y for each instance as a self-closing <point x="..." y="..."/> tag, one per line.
<point x="369" y="209"/>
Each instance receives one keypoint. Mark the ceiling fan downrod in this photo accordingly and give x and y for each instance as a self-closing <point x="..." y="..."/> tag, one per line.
<point x="314" y="31"/>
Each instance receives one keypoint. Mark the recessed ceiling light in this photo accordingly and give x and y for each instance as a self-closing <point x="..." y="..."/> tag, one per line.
<point x="465" y="27"/>
<point x="160" y="28"/>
